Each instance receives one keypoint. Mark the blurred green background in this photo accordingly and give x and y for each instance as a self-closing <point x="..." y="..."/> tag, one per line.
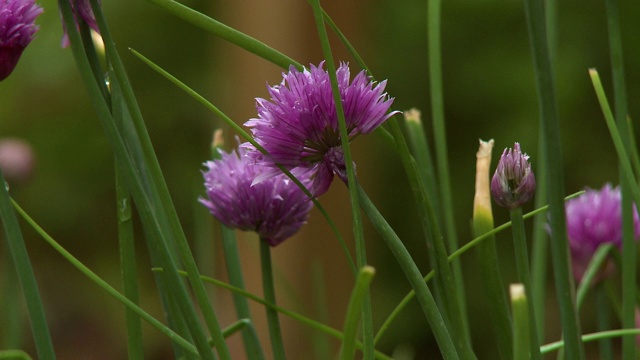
<point x="489" y="92"/>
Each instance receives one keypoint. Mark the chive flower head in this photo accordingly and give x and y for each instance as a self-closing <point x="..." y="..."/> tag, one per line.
<point x="593" y="219"/>
<point x="81" y="12"/>
<point x="298" y="126"/>
<point x="513" y="183"/>
<point x="275" y="208"/>
<point x="17" y="30"/>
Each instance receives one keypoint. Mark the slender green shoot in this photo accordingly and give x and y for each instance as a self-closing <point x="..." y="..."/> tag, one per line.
<point x="521" y="327"/>
<point x="545" y="349"/>
<point x="411" y="272"/>
<point x="603" y="319"/>
<point x="14" y="355"/>
<point x="358" y="232"/>
<point x="522" y="267"/>
<point x="22" y="263"/>
<point x="550" y="132"/>
<point x="275" y="333"/>
<point x="228" y="33"/>
<point x="358" y="295"/>
<point x="596" y="264"/>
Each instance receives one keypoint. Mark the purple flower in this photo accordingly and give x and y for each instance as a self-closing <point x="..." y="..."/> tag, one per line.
<point x="593" y="219"/>
<point x="81" y="12"/>
<point x="275" y="208"/>
<point x="17" y="29"/>
<point x="299" y="125"/>
<point x="513" y="183"/>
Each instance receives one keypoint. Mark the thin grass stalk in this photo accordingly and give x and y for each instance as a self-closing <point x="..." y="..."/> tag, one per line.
<point x="616" y="138"/>
<point x="593" y="269"/>
<point x="228" y="33"/>
<point x="628" y="234"/>
<point x="521" y="327"/>
<point x="14" y="355"/>
<point x="539" y="247"/>
<point x="321" y="346"/>
<point x="234" y="271"/>
<point x="275" y="333"/>
<point x="250" y="139"/>
<point x="493" y="285"/>
<point x="234" y="328"/>
<point x="128" y="266"/>
<point x="468" y="246"/>
<point x="442" y="161"/>
<point x="10" y="303"/>
<point x="635" y="158"/>
<point x="540" y="236"/>
<point x="610" y="334"/>
<point x="314" y="324"/>
<point x="354" y="310"/>
<point x="425" y="298"/>
<point x="358" y="232"/>
<point x="24" y="270"/>
<point x="93" y="277"/>
<point x="134" y="182"/>
<point x="603" y="320"/>
<point x="160" y="194"/>
<point x="522" y="267"/>
<point x="535" y="15"/>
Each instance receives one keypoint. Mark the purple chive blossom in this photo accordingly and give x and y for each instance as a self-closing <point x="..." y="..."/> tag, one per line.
<point x="275" y="208"/>
<point x="17" y="30"/>
<point x="513" y="183"/>
<point x="593" y="219"/>
<point x="81" y="12"/>
<point x="298" y="126"/>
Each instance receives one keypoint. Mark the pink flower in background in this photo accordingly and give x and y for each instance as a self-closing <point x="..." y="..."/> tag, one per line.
<point x="17" y="30"/>
<point x="299" y="125"/>
<point x="593" y="219"/>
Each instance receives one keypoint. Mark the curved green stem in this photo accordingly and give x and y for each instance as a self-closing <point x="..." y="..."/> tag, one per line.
<point x="275" y="334"/>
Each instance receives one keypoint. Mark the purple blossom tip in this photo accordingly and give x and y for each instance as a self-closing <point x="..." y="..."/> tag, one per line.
<point x="17" y="30"/>
<point x="81" y="12"/>
<point x="275" y="208"/>
<point x="298" y="126"/>
<point x="593" y="219"/>
<point x="513" y="183"/>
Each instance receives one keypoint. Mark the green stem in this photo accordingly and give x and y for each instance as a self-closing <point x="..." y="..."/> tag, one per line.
<point x="425" y="298"/>
<point x="545" y="349"/>
<point x="275" y="334"/>
<point x="603" y="320"/>
<point x="522" y="266"/>
<point x="628" y="237"/>
<point x="593" y="269"/>
<point x="228" y="33"/>
<point x="442" y="161"/>
<point x="22" y="263"/>
<point x="234" y="271"/>
<point x="128" y="266"/>
<point x="540" y="247"/>
<point x="521" y="327"/>
<point x="358" y="295"/>
<point x="535" y="15"/>
<point x="358" y="232"/>
<point x="14" y="355"/>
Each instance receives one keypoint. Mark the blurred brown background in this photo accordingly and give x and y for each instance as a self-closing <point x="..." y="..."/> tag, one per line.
<point x="489" y="93"/>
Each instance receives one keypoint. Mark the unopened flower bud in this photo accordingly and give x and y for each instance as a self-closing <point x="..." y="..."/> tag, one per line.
<point x="513" y="183"/>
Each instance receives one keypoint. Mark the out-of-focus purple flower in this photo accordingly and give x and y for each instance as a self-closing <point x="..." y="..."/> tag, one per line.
<point x="81" y="12"/>
<point x="513" y="183"/>
<point x="593" y="219"/>
<point x="299" y="125"/>
<point x="17" y="160"/>
<point x="275" y="208"/>
<point x="17" y="30"/>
